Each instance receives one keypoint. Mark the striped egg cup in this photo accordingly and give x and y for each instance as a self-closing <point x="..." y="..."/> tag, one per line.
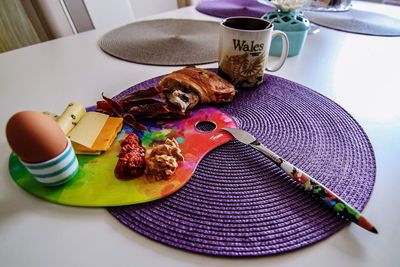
<point x="55" y="171"/>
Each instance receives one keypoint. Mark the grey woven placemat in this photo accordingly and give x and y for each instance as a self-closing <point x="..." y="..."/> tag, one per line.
<point x="357" y="21"/>
<point x="238" y="203"/>
<point x="171" y="42"/>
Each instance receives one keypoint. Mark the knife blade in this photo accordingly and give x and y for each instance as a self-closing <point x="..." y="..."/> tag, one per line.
<point x="305" y="180"/>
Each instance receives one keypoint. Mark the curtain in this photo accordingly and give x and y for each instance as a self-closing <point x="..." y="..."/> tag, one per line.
<point x="183" y="3"/>
<point x="16" y="29"/>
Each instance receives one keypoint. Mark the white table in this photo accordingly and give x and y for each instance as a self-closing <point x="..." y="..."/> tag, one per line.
<point x="358" y="72"/>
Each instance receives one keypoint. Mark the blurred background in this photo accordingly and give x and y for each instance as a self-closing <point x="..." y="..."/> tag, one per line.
<point x="27" y="22"/>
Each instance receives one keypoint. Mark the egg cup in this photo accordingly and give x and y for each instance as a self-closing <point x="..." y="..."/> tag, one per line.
<point x="55" y="171"/>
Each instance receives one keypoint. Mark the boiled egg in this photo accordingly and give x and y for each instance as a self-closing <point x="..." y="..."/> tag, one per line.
<point x="35" y="137"/>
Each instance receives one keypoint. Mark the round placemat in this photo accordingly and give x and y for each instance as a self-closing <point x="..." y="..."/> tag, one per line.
<point x="167" y="42"/>
<point x="356" y="21"/>
<point x="238" y="203"/>
<point x="231" y="8"/>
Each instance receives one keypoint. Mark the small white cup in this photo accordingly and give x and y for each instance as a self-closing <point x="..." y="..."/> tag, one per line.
<point x="55" y="171"/>
<point x="243" y="50"/>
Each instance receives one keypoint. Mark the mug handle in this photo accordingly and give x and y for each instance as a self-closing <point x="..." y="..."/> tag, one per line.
<point x="284" y="53"/>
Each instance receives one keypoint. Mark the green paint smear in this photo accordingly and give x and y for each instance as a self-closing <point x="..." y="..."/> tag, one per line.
<point x="23" y="178"/>
<point x="94" y="184"/>
<point x="149" y="138"/>
<point x="55" y="194"/>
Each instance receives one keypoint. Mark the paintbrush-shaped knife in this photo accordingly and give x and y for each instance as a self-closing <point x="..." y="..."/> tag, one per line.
<point x="305" y="180"/>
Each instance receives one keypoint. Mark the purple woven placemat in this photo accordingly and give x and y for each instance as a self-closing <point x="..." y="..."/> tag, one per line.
<point x="231" y="8"/>
<point x="238" y="203"/>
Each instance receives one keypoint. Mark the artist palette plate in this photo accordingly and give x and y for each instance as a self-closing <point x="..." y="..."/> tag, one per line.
<point x="95" y="183"/>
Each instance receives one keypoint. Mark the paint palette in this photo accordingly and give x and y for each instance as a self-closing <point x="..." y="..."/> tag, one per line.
<point x="96" y="185"/>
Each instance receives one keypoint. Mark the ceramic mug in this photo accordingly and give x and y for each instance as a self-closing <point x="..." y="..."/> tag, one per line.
<point x="243" y="50"/>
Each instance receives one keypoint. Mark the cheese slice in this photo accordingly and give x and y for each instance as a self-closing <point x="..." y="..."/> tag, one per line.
<point x="88" y="128"/>
<point x="104" y="140"/>
<point x="72" y="114"/>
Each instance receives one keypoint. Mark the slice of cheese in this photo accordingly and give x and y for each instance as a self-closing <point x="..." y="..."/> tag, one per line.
<point x="104" y="140"/>
<point x="88" y="128"/>
<point x="72" y="114"/>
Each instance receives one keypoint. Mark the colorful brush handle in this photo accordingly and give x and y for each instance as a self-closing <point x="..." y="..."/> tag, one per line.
<point x="317" y="189"/>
